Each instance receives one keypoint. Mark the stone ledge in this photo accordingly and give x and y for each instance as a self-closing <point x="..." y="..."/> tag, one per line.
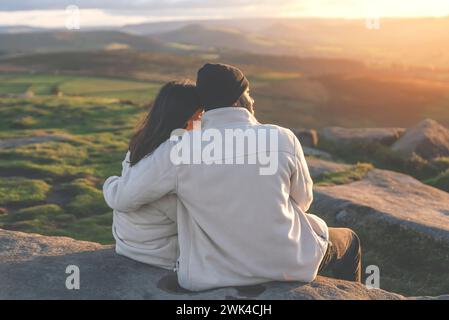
<point x="33" y="267"/>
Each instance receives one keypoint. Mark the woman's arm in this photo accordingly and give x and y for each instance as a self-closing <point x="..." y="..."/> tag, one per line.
<point x="149" y="180"/>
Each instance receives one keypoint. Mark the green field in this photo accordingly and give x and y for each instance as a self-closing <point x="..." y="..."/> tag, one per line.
<point x="45" y="85"/>
<point x="54" y="187"/>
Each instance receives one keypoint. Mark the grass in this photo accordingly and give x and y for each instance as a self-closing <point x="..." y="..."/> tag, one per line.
<point x="441" y="181"/>
<point x="74" y="115"/>
<point x="14" y="190"/>
<point x="126" y="90"/>
<point x="14" y="88"/>
<point x="39" y="84"/>
<point x="46" y="211"/>
<point x="46" y="84"/>
<point x="358" y="172"/>
<point x="86" y="199"/>
<point x="54" y="187"/>
<point x="50" y="219"/>
<point x="431" y="172"/>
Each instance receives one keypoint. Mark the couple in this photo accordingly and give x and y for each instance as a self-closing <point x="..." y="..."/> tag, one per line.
<point x="221" y="224"/>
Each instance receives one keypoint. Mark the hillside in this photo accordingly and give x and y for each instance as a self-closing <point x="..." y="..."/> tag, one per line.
<point x="391" y="44"/>
<point x="323" y="91"/>
<point x="215" y="38"/>
<point x="13" y="43"/>
<point x="324" y="38"/>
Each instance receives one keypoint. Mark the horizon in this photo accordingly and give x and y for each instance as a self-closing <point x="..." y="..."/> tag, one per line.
<point x="99" y="13"/>
<point x="194" y="20"/>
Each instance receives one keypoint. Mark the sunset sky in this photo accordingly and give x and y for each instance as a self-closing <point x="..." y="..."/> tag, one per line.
<point x="51" y="13"/>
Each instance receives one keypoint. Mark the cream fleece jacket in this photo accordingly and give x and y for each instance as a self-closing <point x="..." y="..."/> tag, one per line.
<point x="235" y="226"/>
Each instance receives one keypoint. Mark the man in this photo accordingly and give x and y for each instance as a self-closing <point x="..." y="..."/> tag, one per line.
<point x="244" y="189"/>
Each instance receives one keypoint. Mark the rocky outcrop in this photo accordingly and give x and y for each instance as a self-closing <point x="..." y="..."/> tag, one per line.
<point x="390" y="197"/>
<point x="351" y="136"/>
<point x="34" y="267"/>
<point x="403" y="225"/>
<point x="318" y="167"/>
<point x="428" y="139"/>
<point x="312" y="152"/>
<point x="307" y="137"/>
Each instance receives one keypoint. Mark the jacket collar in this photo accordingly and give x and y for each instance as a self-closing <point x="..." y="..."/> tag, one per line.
<point x="227" y="116"/>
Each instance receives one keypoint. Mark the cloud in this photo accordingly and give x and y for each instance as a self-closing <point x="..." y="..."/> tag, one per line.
<point x="120" y="12"/>
<point x="46" y="13"/>
<point x="132" y="5"/>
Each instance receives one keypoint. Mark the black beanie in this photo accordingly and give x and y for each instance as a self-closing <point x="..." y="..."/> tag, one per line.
<point x="220" y="85"/>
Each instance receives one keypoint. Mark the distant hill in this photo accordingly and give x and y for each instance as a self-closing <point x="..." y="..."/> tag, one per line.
<point x="311" y="92"/>
<point x="405" y="41"/>
<point x="159" y="66"/>
<point x="65" y="41"/>
<point x="137" y="64"/>
<point x="247" y="25"/>
<point x="155" y="27"/>
<point x="20" y="29"/>
<point x="216" y="37"/>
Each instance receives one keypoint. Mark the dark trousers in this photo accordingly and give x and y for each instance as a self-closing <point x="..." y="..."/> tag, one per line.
<point x="343" y="255"/>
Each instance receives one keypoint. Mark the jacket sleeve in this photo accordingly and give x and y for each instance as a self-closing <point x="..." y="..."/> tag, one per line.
<point x="151" y="179"/>
<point x="301" y="190"/>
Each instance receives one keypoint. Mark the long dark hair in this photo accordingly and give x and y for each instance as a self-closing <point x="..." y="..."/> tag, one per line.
<point x="175" y="104"/>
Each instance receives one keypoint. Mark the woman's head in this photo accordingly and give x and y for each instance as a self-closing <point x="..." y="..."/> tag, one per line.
<point x="172" y="109"/>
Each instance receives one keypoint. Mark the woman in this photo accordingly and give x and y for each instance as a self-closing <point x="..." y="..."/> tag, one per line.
<point x="149" y="234"/>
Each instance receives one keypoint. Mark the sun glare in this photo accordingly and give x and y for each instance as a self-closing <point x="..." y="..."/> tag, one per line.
<point x="363" y="8"/>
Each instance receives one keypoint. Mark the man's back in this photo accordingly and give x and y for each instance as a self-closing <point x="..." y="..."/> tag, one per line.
<point x="242" y="203"/>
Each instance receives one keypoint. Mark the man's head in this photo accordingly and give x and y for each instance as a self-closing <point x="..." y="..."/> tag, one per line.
<point x="220" y="85"/>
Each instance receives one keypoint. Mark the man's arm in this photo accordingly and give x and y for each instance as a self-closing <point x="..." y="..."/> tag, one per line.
<point x="151" y="179"/>
<point x="301" y="183"/>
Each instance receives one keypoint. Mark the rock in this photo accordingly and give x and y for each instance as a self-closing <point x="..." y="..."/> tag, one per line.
<point x="341" y="215"/>
<point x="312" y="152"/>
<point x="33" y="267"/>
<point x="443" y="297"/>
<point x="18" y="246"/>
<point x="390" y="197"/>
<point x="307" y="137"/>
<point x="428" y="139"/>
<point x="319" y="166"/>
<point x="350" y="136"/>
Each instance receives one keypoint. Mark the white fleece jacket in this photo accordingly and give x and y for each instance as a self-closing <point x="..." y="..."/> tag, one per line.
<point x="235" y="226"/>
<point x="148" y="234"/>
